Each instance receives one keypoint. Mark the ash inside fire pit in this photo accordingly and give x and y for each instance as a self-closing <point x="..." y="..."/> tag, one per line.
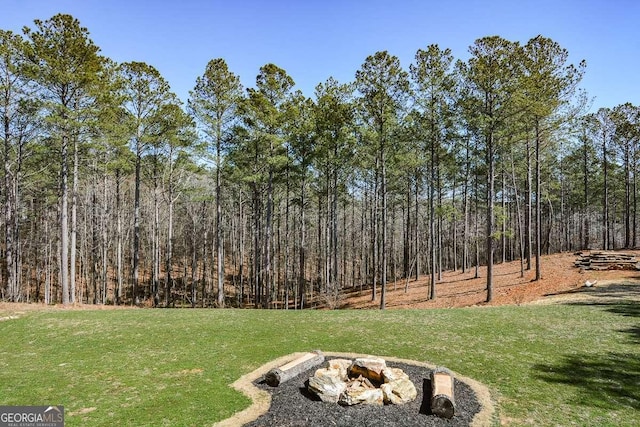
<point x="293" y="405"/>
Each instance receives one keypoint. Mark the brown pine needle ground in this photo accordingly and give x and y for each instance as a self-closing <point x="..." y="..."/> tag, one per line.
<point x="457" y="289"/>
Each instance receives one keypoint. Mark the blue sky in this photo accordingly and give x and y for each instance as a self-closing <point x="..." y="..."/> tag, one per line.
<point x="313" y="40"/>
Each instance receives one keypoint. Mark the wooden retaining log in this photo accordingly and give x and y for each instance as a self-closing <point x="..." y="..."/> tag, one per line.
<point x="284" y="373"/>
<point x="442" y="397"/>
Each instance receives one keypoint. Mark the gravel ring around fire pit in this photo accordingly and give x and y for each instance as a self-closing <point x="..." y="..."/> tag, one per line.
<point x="290" y="404"/>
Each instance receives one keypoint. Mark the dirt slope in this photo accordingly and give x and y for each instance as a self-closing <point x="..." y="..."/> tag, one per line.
<point x="457" y="289"/>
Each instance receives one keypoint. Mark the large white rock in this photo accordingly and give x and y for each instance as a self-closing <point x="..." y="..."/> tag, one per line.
<point x="342" y="366"/>
<point x="327" y="385"/>
<point x="361" y="392"/>
<point x="399" y="391"/>
<point x="392" y="374"/>
<point x="369" y="367"/>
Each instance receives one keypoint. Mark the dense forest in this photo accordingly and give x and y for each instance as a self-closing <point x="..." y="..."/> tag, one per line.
<point x="115" y="192"/>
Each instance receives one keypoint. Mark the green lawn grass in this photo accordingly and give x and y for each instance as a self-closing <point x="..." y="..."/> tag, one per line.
<point x="545" y="365"/>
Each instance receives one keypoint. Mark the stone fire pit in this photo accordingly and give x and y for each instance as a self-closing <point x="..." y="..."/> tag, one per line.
<point x="365" y="380"/>
<point x="286" y="401"/>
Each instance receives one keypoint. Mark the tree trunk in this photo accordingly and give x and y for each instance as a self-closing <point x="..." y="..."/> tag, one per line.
<point x="538" y="275"/>
<point x="256" y="252"/>
<point x="406" y="244"/>
<point x="503" y="231"/>
<point x="627" y="198"/>
<point x="104" y="239"/>
<point x="432" y="223"/>
<point x="48" y="262"/>
<point x="219" y="254"/>
<point x="374" y="234"/>
<point x="119" y="242"/>
<point x="364" y="252"/>
<point x="454" y="227"/>
<point x="268" y="237"/>
<point x="354" y="252"/>
<point x="635" y="201"/>
<point x="94" y="244"/>
<point x="74" y="225"/>
<point x="518" y="215"/>
<point x="439" y="231"/>
<point x="417" y="230"/>
<point x="287" y="238"/>
<point x="205" y="257"/>
<point x="605" y="196"/>
<point x="241" y="246"/>
<point x="326" y="238"/>
<point x="477" y="227"/>
<point x="334" y="272"/>
<point x="10" y="240"/>
<point x="587" y="238"/>
<point x="383" y="248"/>
<point x="136" y="228"/>
<point x="490" y="215"/>
<point x="64" y="219"/>
<point x="169" y="255"/>
<point x="155" y="239"/>
<point x="194" y="262"/>
<point x="465" y="202"/>
<point x="302" y="247"/>
<point x="527" y="220"/>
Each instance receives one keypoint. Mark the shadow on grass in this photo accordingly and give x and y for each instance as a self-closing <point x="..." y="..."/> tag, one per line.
<point x="635" y="335"/>
<point x="623" y="308"/>
<point x="627" y="310"/>
<point x="606" y="380"/>
<point x="611" y="293"/>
